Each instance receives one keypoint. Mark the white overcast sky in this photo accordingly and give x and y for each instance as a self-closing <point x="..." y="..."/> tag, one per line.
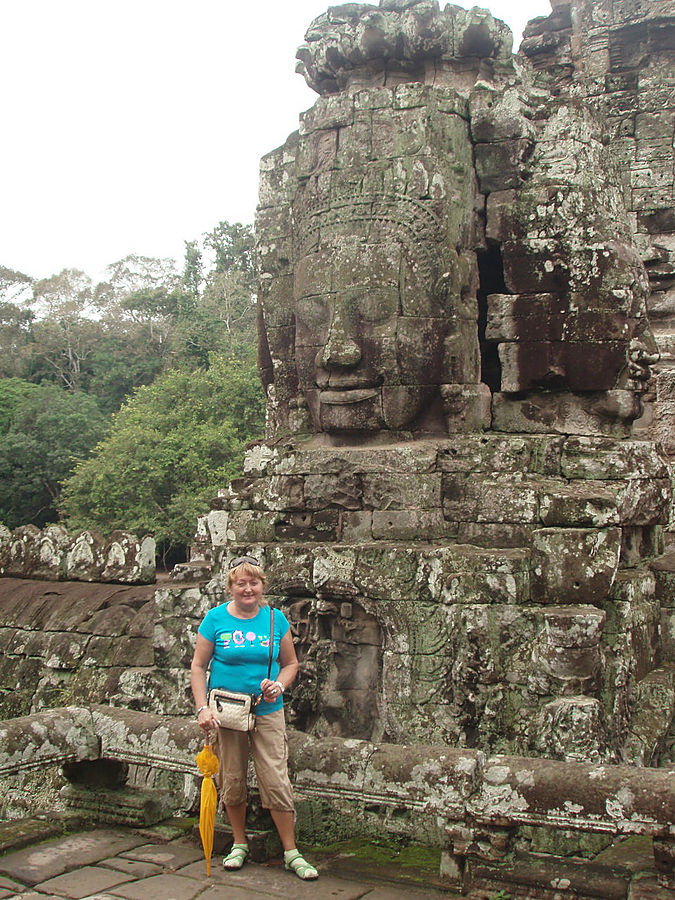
<point x="132" y="126"/>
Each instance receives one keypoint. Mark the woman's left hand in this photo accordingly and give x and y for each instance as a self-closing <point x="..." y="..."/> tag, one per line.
<point x="271" y="690"/>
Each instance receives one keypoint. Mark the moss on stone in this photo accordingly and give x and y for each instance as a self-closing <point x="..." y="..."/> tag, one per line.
<point x="393" y="860"/>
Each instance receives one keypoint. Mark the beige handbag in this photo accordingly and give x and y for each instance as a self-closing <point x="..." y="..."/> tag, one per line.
<point x="234" y="711"/>
<point x="237" y="711"/>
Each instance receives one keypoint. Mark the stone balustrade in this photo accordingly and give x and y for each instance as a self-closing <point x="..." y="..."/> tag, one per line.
<point x="459" y="799"/>
<point x="52" y="554"/>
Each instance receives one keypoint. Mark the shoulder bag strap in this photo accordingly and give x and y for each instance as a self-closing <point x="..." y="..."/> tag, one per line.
<point x="269" y="663"/>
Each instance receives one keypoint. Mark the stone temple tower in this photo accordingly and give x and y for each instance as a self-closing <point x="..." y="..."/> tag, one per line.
<point x="454" y="343"/>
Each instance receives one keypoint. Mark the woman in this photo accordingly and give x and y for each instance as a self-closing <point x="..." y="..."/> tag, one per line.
<point x="233" y="639"/>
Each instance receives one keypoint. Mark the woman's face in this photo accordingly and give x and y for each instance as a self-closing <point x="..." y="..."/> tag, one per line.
<point x="246" y="591"/>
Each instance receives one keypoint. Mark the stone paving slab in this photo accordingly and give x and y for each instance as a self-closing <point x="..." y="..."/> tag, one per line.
<point x="83" y="882"/>
<point x="173" y="855"/>
<point x="33" y="895"/>
<point x="274" y="881"/>
<point x="131" y="867"/>
<point x="160" y="887"/>
<point x="43" y="861"/>
<point x="119" y="875"/>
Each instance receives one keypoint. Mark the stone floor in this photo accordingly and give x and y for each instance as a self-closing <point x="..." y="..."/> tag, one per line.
<point x="123" y="864"/>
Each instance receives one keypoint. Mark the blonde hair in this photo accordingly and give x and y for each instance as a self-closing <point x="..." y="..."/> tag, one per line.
<point x="247" y="569"/>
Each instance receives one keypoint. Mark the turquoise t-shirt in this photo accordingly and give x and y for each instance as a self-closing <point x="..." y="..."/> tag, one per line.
<point x="241" y="649"/>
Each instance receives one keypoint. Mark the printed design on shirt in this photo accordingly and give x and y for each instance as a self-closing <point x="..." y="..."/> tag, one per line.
<point x="239" y="639"/>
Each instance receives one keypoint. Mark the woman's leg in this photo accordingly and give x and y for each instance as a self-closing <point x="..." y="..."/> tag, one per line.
<point x="232" y="752"/>
<point x="270" y="755"/>
<point x="237" y="817"/>
<point x="285" y="822"/>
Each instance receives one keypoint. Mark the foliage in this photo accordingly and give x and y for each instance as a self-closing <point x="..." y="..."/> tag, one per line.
<point x="170" y="448"/>
<point x="15" y="338"/>
<point x="15" y="286"/>
<point x="219" y="308"/>
<point x="13" y="392"/>
<point x="101" y="344"/>
<point x="46" y="433"/>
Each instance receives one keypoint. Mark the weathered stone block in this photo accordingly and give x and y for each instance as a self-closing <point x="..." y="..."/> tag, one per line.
<point x="327" y="112"/>
<point x="593" y="413"/>
<point x="507" y="499"/>
<point x="653" y="706"/>
<point x="574" y="564"/>
<point x="357" y="527"/>
<point x="322" y="525"/>
<point x="580" y="504"/>
<point x="567" y="657"/>
<point x="645" y="502"/>
<point x="573" y="728"/>
<point x="499" y="205"/>
<point x="382" y="492"/>
<point x="596" y="458"/>
<point x="24" y="551"/>
<point x="387" y="573"/>
<point x="251" y="526"/>
<point x="408" y="525"/>
<point x="87" y="557"/>
<point x="129" y="560"/>
<point x="499" y="116"/>
<point x="560" y="365"/>
<point x="490" y="577"/>
<point x="466" y="407"/>
<point x="341" y="490"/>
<point x="333" y="573"/>
<point x="499" y="166"/>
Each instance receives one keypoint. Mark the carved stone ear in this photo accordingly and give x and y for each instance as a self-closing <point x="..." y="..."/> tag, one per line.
<point x="442" y="287"/>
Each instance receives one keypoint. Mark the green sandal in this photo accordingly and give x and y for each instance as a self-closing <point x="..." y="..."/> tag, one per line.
<point x="236" y="858"/>
<point x="295" y="863"/>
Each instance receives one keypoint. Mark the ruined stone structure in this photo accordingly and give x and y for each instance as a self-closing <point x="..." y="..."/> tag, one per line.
<point x="55" y="555"/>
<point x="461" y="502"/>
<point x="455" y="344"/>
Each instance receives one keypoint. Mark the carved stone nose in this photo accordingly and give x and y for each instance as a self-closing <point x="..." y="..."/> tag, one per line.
<point x="339" y="350"/>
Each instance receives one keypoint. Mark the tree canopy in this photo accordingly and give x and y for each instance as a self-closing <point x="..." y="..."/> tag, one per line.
<point x="153" y="367"/>
<point x="47" y="430"/>
<point x="170" y="447"/>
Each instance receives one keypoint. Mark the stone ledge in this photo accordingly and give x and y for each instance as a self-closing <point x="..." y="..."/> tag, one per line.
<point x="428" y="781"/>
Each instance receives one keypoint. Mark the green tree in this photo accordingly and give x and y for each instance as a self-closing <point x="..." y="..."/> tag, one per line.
<point x="170" y="447"/>
<point x="46" y="434"/>
<point x="13" y="392"/>
<point x="64" y="333"/>
<point x="233" y="247"/>
<point x="219" y="311"/>
<point x="15" y="339"/>
<point x="15" y="286"/>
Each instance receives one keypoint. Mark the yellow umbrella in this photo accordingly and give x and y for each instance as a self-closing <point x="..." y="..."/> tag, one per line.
<point x="208" y="766"/>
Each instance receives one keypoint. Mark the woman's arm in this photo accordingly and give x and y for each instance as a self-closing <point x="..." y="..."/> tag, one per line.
<point x="289" y="669"/>
<point x="200" y="663"/>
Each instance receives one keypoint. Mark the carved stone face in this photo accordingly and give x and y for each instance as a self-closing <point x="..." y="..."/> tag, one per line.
<point x="642" y="352"/>
<point x="369" y="336"/>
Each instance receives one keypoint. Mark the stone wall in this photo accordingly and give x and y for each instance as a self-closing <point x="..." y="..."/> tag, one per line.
<point x="620" y="56"/>
<point x="55" y="555"/>
<point x="487" y="591"/>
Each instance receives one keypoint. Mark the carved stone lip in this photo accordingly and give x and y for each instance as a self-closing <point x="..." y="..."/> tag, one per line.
<point x="350" y="395"/>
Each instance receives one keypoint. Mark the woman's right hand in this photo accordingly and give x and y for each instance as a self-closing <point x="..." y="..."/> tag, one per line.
<point x="207" y="721"/>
